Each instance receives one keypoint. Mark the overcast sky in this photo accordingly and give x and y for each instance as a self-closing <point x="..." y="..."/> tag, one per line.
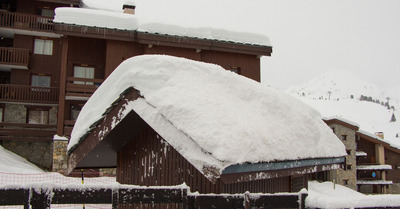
<point x="309" y="37"/>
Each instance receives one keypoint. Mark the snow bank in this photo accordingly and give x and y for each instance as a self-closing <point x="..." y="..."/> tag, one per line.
<point x="228" y="117"/>
<point x="12" y="163"/>
<point x="118" y="20"/>
<point x="323" y="195"/>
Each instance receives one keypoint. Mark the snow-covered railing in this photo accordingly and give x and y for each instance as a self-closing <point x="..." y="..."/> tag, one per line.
<point x="44" y="195"/>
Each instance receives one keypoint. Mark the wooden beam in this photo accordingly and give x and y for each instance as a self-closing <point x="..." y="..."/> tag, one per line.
<point x="63" y="78"/>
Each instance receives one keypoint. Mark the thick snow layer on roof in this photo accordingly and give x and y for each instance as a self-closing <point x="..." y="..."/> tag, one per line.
<point x="231" y="118"/>
<point x="119" y="20"/>
<point x="96" y="18"/>
<point x="326" y="195"/>
<point x="12" y="163"/>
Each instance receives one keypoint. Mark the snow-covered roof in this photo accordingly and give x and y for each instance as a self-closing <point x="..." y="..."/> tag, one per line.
<point x="341" y="119"/>
<point x="374" y="167"/>
<point x="212" y="116"/>
<point x="121" y="21"/>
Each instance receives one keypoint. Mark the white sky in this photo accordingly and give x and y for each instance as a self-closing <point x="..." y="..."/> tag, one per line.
<point x="309" y="36"/>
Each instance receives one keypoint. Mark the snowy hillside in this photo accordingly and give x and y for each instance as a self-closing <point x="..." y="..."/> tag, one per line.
<point x="345" y="95"/>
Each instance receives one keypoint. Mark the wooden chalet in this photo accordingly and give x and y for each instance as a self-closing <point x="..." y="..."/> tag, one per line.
<point x="49" y="70"/>
<point x="143" y="156"/>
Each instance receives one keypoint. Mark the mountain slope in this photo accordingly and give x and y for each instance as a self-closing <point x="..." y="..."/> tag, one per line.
<point x="338" y="94"/>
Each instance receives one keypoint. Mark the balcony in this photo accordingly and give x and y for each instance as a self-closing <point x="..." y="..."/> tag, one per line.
<point x="81" y="88"/>
<point x="27" y="132"/>
<point x="68" y="126"/>
<point x="22" y="21"/>
<point x="14" y="58"/>
<point x="28" y="94"/>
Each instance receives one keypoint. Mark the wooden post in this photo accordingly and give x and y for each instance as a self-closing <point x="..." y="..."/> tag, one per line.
<point x="40" y="200"/>
<point x="115" y="198"/>
<point x="247" y="200"/>
<point x="63" y="78"/>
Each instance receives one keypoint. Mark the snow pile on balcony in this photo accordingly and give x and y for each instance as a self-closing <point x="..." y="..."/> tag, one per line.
<point x="12" y="163"/>
<point x="212" y="116"/>
<point x="122" y="21"/>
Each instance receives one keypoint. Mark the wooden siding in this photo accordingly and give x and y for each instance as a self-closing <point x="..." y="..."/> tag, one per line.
<point x="118" y="51"/>
<point x="148" y="160"/>
<point x="368" y="147"/>
<point x="249" y="64"/>
<point x="88" y="52"/>
<point x="27" y="132"/>
<point x="48" y="65"/>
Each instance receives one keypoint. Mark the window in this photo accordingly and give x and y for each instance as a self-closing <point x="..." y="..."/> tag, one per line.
<point x="40" y="81"/>
<point x="345" y="182"/>
<point x="348" y="151"/>
<point x="344" y="137"/>
<point x="83" y="72"/>
<point x="43" y="46"/>
<point x="2" y="106"/>
<point x="333" y="129"/>
<point x="38" y="115"/>
<point x="75" y="110"/>
<point x="348" y="167"/>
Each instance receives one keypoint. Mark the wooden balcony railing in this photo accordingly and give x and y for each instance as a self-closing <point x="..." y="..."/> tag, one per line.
<point x="68" y="126"/>
<point x="26" y="21"/>
<point x="27" y="132"/>
<point x="14" y="56"/>
<point x="82" y="87"/>
<point x="28" y="94"/>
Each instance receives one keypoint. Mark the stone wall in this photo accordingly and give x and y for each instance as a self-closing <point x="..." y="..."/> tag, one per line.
<point x="394" y="189"/>
<point x="348" y="176"/>
<point x="60" y="158"/>
<point x="39" y="153"/>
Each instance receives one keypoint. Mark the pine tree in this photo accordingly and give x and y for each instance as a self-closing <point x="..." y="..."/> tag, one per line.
<point x="393" y="118"/>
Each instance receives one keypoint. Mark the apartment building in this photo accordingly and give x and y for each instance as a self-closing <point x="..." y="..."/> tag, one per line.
<point x="49" y="70"/>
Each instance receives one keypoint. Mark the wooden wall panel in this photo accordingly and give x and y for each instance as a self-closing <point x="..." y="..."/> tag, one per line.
<point x="42" y="64"/>
<point x="369" y="148"/>
<point x="19" y="77"/>
<point x="87" y="51"/>
<point x="173" y="51"/>
<point x="249" y="64"/>
<point x="118" y="51"/>
<point x="149" y="161"/>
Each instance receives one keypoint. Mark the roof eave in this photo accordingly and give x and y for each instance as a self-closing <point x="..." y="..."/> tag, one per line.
<point x="258" y="171"/>
<point x="161" y="39"/>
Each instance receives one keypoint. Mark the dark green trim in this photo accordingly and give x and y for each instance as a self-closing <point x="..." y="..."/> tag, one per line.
<point x="258" y="167"/>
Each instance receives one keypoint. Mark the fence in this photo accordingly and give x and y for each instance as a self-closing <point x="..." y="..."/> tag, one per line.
<point x="25" y="93"/>
<point x="41" y="196"/>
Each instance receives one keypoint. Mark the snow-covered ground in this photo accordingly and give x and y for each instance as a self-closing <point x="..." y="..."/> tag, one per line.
<point x="338" y="95"/>
<point x="328" y="195"/>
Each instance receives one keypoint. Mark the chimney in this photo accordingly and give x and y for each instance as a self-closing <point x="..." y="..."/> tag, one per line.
<point x="380" y="134"/>
<point x="129" y="9"/>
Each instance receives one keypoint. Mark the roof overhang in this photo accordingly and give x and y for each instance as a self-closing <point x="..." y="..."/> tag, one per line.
<point x="99" y="147"/>
<point x="257" y="171"/>
<point x="373" y="139"/>
<point x="341" y="122"/>
<point x="161" y="39"/>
